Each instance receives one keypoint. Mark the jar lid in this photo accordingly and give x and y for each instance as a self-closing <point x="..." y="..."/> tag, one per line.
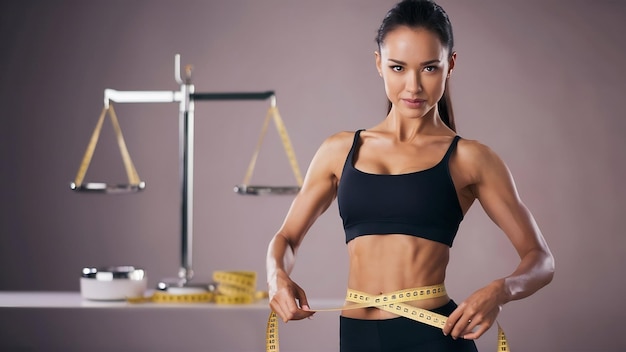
<point x="113" y="273"/>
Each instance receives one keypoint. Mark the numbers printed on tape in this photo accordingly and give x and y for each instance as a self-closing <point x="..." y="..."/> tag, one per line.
<point x="164" y="297"/>
<point x="392" y="302"/>
<point x="503" y="345"/>
<point x="271" y="334"/>
<point x="234" y="287"/>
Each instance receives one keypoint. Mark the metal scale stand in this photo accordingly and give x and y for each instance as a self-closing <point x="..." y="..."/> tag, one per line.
<point x="186" y="97"/>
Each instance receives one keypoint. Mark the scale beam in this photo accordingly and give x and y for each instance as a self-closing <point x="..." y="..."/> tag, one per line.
<point x="138" y="96"/>
<point x="233" y="96"/>
<point x="186" y="97"/>
<point x="120" y="96"/>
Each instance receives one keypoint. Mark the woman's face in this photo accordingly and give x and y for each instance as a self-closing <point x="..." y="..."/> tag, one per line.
<point x="414" y="65"/>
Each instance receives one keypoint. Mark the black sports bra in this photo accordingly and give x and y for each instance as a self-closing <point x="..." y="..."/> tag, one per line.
<point x="422" y="203"/>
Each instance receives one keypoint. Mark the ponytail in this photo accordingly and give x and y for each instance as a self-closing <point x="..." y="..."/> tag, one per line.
<point x="444" y="106"/>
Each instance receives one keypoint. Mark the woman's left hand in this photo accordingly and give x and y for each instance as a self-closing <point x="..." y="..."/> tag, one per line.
<point x="477" y="313"/>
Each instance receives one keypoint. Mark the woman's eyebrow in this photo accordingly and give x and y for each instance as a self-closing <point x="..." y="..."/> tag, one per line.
<point x="425" y="63"/>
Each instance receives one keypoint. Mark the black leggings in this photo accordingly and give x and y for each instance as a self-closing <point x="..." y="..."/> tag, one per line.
<point x="399" y="335"/>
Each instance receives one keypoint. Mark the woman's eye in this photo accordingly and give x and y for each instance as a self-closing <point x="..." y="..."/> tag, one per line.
<point x="430" y="68"/>
<point x="396" y="68"/>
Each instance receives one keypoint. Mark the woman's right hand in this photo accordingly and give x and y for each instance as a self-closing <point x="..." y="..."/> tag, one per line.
<point x="287" y="299"/>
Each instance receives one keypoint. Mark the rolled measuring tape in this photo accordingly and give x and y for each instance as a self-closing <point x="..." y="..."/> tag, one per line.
<point x="233" y="287"/>
<point x="391" y="302"/>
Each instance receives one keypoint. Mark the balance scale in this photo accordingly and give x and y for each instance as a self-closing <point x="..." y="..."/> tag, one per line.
<point x="186" y="97"/>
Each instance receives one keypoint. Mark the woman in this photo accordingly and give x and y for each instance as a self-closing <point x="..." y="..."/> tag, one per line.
<point x="403" y="186"/>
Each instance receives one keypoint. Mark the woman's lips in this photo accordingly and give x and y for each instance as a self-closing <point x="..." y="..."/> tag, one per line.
<point x="414" y="103"/>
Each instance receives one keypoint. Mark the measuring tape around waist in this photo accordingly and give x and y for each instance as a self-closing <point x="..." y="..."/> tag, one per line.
<point x="393" y="302"/>
<point x="233" y="287"/>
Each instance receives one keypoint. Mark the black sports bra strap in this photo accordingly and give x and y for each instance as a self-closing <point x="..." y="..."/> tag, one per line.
<point x="356" y="136"/>
<point x="451" y="147"/>
<point x="354" y="143"/>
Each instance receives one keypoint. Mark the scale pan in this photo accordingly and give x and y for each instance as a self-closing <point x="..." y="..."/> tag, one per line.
<point x="101" y="187"/>
<point x="266" y="190"/>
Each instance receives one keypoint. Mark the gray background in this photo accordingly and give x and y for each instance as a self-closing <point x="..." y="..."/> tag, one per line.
<point x="540" y="82"/>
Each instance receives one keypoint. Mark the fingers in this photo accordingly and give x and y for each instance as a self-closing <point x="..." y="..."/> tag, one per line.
<point x="302" y="300"/>
<point x="276" y="308"/>
<point x="304" y="311"/>
<point x="291" y="313"/>
<point x="289" y="310"/>
<point x="291" y="306"/>
<point x="476" y="332"/>
<point x="453" y="319"/>
<point x="468" y="328"/>
<point x="463" y="323"/>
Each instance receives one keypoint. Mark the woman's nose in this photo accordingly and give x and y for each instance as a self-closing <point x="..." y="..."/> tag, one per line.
<point x="413" y="84"/>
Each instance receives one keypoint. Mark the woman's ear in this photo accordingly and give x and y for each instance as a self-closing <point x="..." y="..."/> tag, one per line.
<point x="451" y="63"/>
<point x="378" y="63"/>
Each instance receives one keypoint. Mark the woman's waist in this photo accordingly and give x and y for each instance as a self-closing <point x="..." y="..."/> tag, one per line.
<point x="396" y="261"/>
<point x="392" y="276"/>
<point x="368" y="301"/>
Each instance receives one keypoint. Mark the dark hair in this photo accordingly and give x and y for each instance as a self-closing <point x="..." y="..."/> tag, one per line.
<point x="430" y="16"/>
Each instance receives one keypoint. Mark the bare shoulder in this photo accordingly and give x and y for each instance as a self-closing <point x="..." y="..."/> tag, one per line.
<point x="479" y="161"/>
<point x="337" y="145"/>
<point x="473" y="152"/>
<point x="332" y="153"/>
<point x="339" y="140"/>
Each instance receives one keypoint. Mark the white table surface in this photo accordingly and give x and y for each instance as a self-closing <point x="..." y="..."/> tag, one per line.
<point x="70" y="299"/>
<point x="64" y="321"/>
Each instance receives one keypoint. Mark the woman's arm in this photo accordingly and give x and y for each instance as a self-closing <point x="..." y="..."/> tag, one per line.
<point x="287" y="299"/>
<point x="495" y="189"/>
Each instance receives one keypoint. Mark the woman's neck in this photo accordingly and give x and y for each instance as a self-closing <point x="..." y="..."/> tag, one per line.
<point x="406" y="128"/>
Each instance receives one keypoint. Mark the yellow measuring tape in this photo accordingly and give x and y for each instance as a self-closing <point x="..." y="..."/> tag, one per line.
<point x="391" y="302"/>
<point x="233" y="287"/>
<point x="131" y="172"/>
<point x="273" y="113"/>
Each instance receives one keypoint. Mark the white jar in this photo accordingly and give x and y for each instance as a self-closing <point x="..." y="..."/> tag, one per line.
<point x="113" y="283"/>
